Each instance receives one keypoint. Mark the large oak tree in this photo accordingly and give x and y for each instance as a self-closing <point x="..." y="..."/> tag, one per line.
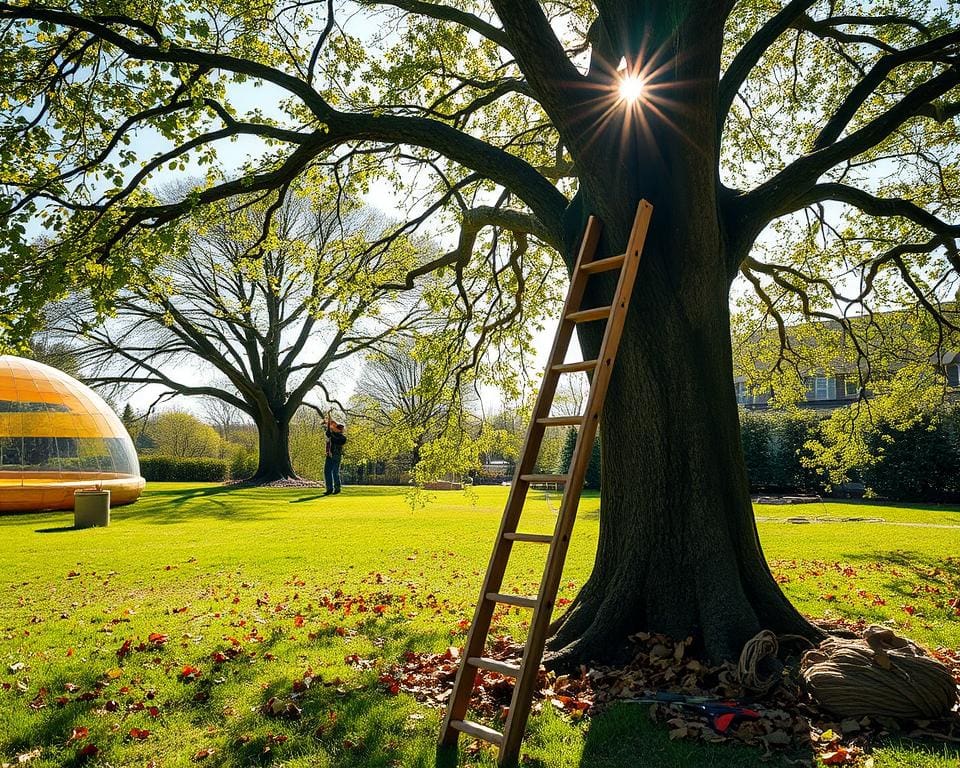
<point x="256" y="314"/>
<point x="834" y="122"/>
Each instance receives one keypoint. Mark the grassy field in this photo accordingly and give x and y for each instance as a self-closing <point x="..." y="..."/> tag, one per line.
<point x="230" y="597"/>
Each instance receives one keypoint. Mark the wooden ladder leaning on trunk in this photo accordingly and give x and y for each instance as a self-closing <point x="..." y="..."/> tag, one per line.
<point x="525" y="669"/>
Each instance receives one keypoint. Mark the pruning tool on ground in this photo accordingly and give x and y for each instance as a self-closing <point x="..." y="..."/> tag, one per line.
<point x="722" y="712"/>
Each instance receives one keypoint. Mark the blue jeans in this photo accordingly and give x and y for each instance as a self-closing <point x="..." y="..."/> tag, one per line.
<point x="331" y="473"/>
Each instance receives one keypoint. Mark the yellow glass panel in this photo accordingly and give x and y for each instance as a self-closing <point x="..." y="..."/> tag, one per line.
<point x="53" y="425"/>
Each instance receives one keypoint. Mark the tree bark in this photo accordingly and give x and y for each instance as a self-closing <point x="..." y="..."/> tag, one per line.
<point x="678" y="551"/>
<point x="274" y="461"/>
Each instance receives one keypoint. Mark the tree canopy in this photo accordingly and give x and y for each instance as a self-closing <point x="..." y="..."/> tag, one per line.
<point x="809" y="147"/>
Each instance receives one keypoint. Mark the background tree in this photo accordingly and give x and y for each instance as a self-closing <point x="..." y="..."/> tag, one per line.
<point x="264" y="307"/>
<point x="823" y="133"/>
<point x="592" y="478"/>
<point x="182" y="435"/>
<point x="223" y="417"/>
<point x="409" y="396"/>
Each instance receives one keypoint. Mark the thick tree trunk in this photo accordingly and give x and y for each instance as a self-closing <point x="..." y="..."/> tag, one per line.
<point x="678" y="550"/>
<point x="274" y="462"/>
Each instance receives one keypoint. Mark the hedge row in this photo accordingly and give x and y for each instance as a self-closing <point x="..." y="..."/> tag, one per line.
<point x="773" y="449"/>
<point x="917" y="463"/>
<point x="172" y="469"/>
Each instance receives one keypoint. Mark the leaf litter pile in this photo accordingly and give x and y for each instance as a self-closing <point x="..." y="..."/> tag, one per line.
<point x="695" y="700"/>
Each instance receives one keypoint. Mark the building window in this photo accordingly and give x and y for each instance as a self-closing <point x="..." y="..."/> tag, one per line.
<point x="953" y="375"/>
<point x="744" y="397"/>
<point x="821" y="388"/>
<point x="851" y="387"/>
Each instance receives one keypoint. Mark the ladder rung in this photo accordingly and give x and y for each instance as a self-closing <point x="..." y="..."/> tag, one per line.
<point x="480" y="731"/>
<point x="518" y="600"/>
<point x="586" y="315"/>
<point x="494" y="665"/>
<point x="604" y="265"/>
<point x="561" y="421"/>
<point x="538" y="538"/>
<point x="583" y="365"/>
<point x="544" y="478"/>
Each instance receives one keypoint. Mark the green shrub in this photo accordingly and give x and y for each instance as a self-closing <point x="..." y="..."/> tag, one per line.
<point x="918" y="463"/>
<point x="183" y="470"/>
<point x="756" y="431"/>
<point x="244" y="464"/>
<point x="774" y="449"/>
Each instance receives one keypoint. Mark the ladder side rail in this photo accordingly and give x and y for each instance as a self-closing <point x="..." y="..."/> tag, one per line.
<point x="553" y="570"/>
<point x="459" y="700"/>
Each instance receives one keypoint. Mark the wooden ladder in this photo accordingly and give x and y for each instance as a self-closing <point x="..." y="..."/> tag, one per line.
<point x="525" y="670"/>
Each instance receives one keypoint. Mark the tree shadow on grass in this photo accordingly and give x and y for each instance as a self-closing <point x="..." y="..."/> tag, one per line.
<point x="624" y="736"/>
<point x="59" y="529"/>
<point x="903" y="572"/>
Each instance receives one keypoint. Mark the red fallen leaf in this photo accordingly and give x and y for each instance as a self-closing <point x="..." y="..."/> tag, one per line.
<point x="69" y="651"/>
<point x="908" y="609"/>
<point x="139" y="734"/>
<point x="124" y="650"/>
<point x="136" y="706"/>
<point x="188" y="674"/>
<point x="88" y="751"/>
<point x="62" y="701"/>
<point x="153" y="711"/>
<point x="837" y="757"/>
<point x="562" y="601"/>
<point x="111" y="706"/>
<point x="379" y="609"/>
<point x="157" y="638"/>
<point x="71" y="687"/>
<point x="218" y="657"/>
<point x="390" y="683"/>
<point x="203" y="754"/>
<point x="340" y="632"/>
<point x="298" y="620"/>
<point x="181" y="610"/>
<point x="78" y="734"/>
<point x="828" y="598"/>
<point x="73" y="574"/>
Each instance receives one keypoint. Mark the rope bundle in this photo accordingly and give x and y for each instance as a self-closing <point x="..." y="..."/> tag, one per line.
<point x="881" y="675"/>
<point x="758" y="652"/>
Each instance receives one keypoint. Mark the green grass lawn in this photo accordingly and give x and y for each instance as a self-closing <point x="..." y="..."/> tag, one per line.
<point x="277" y="584"/>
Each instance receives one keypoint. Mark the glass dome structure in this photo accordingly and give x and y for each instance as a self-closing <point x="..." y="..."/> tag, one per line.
<point x="57" y="436"/>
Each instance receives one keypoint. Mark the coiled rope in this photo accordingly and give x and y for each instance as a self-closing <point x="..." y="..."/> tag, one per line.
<point x="881" y="675"/>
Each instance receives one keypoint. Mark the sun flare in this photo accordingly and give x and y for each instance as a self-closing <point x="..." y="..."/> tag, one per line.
<point x="631" y="88"/>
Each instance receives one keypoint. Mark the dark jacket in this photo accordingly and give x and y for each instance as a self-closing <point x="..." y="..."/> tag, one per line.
<point x="336" y="441"/>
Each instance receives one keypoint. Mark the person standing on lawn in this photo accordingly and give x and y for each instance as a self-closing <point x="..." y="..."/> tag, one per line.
<point x="331" y="466"/>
